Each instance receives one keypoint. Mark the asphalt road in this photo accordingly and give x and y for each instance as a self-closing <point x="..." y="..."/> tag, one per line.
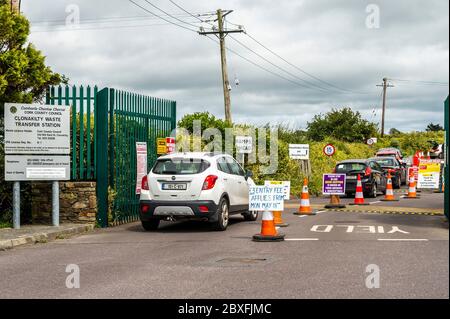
<point x="324" y="256"/>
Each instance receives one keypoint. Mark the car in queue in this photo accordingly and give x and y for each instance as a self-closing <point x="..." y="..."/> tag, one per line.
<point x="398" y="171"/>
<point x="373" y="177"/>
<point x="390" y="151"/>
<point x="197" y="186"/>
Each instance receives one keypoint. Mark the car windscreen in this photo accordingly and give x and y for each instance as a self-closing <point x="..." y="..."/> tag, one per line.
<point x="183" y="166"/>
<point x="386" y="162"/>
<point x="350" y="167"/>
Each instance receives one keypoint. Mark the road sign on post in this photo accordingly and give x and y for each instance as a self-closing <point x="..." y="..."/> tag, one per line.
<point x="244" y="144"/>
<point x="37" y="148"/>
<point x="299" y="151"/>
<point x="329" y="150"/>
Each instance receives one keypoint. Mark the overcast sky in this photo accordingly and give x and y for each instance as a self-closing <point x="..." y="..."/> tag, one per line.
<point x="328" y="39"/>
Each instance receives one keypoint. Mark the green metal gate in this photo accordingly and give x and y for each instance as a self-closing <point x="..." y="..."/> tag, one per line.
<point x="105" y="126"/>
<point x="447" y="157"/>
<point x="123" y="119"/>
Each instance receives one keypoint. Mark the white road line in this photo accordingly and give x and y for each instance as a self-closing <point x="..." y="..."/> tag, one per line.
<point x="303" y="216"/>
<point x="302" y="239"/>
<point x="378" y="201"/>
<point x="402" y="239"/>
<point x="321" y="211"/>
<point x="277" y="228"/>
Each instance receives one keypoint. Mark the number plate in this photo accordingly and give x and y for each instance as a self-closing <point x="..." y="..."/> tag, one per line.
<point x="174" y="186"/>
<point x="352" y="177"/>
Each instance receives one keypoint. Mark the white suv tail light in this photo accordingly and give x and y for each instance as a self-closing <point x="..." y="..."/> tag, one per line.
<point x="210" y="182"/>
<point x="144" y="185"/>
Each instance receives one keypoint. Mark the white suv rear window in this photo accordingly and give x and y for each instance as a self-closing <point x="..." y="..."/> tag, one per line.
<point x="185" y="166"/>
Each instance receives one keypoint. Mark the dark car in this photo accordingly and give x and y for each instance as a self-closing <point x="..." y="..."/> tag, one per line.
<point x="373" y="177"/>
<point x="398" y="171"/>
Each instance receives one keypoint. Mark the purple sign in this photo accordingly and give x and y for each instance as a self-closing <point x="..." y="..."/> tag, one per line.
<point x="333" y="184"/>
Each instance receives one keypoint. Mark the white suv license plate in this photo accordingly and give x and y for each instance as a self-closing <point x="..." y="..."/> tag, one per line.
<point x="352" y="177"/>
<point x="174" y="186"/>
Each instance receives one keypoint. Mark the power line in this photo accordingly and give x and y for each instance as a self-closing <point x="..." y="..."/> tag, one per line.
<point x="168" y="14"/>
<point x="101" y="19"/>
<point x="418" y="82"/>
<point x="280" y="68"/>
<point x="189" y="13"/>
<point x="300" y="69"/>
<point x="169" y="21"/>
<point x="257" y="65"/>
<point x="100" y="27"/>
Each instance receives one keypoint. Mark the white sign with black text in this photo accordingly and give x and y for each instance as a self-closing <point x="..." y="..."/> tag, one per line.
<point x="37" y="129"/>
<point x="37" y="168"/>
<point x="244" y="144"/>
<point x="299" y="151"/>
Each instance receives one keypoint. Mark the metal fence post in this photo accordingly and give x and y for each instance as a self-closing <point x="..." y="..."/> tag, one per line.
<point x="16" y="205"/>
<point x="101" y="115"/>
<point x="55" y="203"/>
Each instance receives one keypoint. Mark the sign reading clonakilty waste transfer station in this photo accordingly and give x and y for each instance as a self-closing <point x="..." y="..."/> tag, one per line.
<point x="37" y="129"/>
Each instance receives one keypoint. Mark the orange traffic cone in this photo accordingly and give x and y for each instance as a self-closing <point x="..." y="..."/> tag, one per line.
<point x="389" y="197"/>
<point x="359" y="196"/>
<point x="412" y="193"/>
<point x="278" y="219"/>
<point x="268" y="230"/>
<point x="335" y="202"/>
<point x="305" y="205"/>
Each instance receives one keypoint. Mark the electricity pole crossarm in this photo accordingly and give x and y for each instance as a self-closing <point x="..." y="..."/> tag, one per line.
<point x="222" y="33"/>
<point x="385" y="86"/>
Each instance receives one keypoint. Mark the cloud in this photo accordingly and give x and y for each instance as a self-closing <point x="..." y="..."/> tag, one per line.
<point x="328" y="39"/>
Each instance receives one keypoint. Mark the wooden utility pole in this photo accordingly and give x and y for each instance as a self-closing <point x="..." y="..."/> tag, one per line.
<point x="385" y="85"/>
<point x="15" y="6"/>
<point x="221" y="33"/>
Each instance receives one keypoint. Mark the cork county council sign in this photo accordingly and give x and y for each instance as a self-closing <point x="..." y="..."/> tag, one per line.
<point x="37" y="129"/>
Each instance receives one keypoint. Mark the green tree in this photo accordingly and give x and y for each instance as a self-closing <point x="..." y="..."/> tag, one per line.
<point x="434" y="127"/>
<point x="23" y="73"/>
<point x="394" y="132"/>
<point x="344" y="124"/>
<point x="23" y="79"/>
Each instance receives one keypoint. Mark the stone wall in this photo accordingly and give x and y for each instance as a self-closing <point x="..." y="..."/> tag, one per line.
<point x="78" y="202"/>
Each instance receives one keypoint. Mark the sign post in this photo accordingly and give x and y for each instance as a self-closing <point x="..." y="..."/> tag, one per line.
<point x="37" y="148"/>
<point x="300" y="152"/>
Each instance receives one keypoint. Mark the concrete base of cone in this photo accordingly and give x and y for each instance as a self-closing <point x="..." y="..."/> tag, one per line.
<point x="363" y="204"/>
<point x="406" y="197"/>
<point x="261" y="238"/>
<point x="390" y="200"/>
<point x="335" y="206"/>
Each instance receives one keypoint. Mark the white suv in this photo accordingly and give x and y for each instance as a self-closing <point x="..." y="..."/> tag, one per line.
<point x="202" y="186"/>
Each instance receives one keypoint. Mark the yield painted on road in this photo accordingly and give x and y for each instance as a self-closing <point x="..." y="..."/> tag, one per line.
<point x="402" y="239"/>
<point x="359" y="229"/>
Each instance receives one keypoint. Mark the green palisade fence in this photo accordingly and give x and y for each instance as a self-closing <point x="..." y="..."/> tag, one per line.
<point x="106" y="124"/>
<point x="83" y="136"/>
<point x="123" y="119"/>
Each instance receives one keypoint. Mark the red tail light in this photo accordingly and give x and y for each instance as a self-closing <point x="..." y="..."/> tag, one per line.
<point x="209" y="182"/>
<point x="145" y="208"/>
<point x="144" y="185"/>
<point x="203" y="209"/>
<point x="368" y="171"/>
